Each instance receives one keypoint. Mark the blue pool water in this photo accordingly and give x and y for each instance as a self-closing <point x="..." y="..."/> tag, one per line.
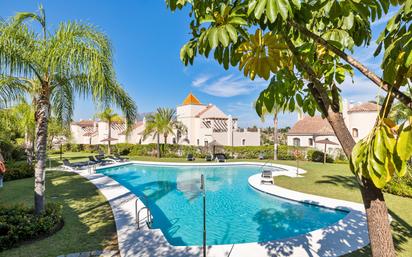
<point x="236" y="213"/>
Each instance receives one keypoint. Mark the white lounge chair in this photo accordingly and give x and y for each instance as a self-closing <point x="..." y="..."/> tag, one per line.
<point x="266" y="177"/>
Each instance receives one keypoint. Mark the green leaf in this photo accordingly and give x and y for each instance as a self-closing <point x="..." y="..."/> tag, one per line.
<point x="226" y="59"/>
<point x="213" y="37"/>
<point x="377" y="173"/>
<point x="260" y="7"/>
<point x="207" y="18"/>
<point x="223" y="36"/>
<point x="283" y="8"/>
<point x="251" y="6"/>
<point x="404" y="143"/>
<point x="379" y="149"/>
<point x="238" y="21"/>
<point x="399" y="165"/>
<point x="232" y="32"/>
<point x="271" y="10"/>
<point x="296" y="3"/>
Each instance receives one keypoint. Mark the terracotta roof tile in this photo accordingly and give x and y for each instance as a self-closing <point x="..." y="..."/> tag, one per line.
<point x="312" y="125"/>
<point x="204" y="110"/>
<point x="191" y="100"/>
<point x="84" y="123"/>
<point x="365" y="107"/>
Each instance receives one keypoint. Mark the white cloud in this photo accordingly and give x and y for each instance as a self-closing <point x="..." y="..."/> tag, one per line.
<point x="199" y="81"/>
<point x="360" y="90"/>
<point x="228" y="86"/>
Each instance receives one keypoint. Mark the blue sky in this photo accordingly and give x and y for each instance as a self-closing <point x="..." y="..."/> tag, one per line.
<point x="147" y="37"/>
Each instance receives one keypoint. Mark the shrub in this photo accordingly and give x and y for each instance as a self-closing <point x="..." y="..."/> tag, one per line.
<point x="318" y="156"/>
<point x="400" y="186"/>
<point x="12" y="152"/>
<point x="19" y="224"/>
<point x="18" y="170"/>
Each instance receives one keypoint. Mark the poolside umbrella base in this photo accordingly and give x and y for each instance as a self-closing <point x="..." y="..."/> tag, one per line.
<point x="326" y="142"/>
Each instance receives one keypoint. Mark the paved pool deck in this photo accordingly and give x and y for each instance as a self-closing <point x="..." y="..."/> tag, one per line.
<point x="347" y="235"/>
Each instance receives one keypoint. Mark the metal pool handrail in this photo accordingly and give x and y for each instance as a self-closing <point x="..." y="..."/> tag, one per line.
<point x="148" y="214"/>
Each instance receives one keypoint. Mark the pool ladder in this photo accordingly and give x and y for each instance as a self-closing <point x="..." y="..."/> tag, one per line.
<point x="149" y="218"/>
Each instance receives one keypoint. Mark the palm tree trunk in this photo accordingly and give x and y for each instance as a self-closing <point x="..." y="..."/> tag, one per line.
<point x="158" y="145"/>
<point x="275" y="136"/>
<point x="42" y="117"/>
<point x="109" y="137"/>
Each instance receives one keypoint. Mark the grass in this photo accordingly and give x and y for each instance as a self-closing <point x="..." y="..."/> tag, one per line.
<point x="90" y="229"/>
<point x="88" y="218"/>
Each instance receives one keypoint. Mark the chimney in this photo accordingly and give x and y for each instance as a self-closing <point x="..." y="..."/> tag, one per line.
<point x="300" y="116"/>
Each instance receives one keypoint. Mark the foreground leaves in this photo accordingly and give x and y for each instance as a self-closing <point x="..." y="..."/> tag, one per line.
<point x="383" y="153"/>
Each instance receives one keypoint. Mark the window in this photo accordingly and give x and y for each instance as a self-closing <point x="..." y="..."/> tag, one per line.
<point x="198" y="142"/>
<point x="243" y="141"/>
<point x="310" y="141"/>
<point x="355" y="132"/>
<point x="174" y="140"/>
<point x="206" y="143"/>
<point x="296" y="141"/>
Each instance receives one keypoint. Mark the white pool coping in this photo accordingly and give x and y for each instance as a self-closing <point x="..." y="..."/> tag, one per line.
<point x="347" y="235"/>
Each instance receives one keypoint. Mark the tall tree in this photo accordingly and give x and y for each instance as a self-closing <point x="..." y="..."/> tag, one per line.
<point x="181" y="129"/>
<point x="162" y="122"/>
<point x="301" y="41"/>
<point x="74" y="59"/>
<point x="168" y="117"/>
<point x="110" y="117"/>
<point x="24" y="117"/>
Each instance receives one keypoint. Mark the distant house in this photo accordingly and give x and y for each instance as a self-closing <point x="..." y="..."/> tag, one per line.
<point x="359" y="118"/>
<point x="205" y="124"/>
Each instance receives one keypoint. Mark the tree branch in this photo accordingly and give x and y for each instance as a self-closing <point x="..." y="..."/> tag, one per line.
<point x="406" y="100"/>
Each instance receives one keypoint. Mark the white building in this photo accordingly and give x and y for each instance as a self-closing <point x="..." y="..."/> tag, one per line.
<point x="205" y="124"/>
<point x="359" y="118"/>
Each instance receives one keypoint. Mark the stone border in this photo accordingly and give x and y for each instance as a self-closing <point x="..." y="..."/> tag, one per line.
<point x="348" y="234"/>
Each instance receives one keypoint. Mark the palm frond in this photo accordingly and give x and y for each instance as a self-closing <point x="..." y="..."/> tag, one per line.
<point x="11" y="88"/>
<point x="62" y="100"/>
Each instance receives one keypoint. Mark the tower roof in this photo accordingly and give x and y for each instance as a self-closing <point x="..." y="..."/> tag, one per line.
<point x="191" y="100"/>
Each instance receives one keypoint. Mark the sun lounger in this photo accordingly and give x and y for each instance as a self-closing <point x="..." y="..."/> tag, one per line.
<point x="220" y="157"/>
<point x="74" y="166"/>
<point x="190" y="157"/>
<point x="266" y="177"/>
<point x="208" y="158"/>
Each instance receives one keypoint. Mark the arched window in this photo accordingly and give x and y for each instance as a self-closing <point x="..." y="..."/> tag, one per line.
<point x="296" y="141"/>
<point x="206" y="143"/>
<point x="310" y="141"/>
<point x="243" y="141"/>
<point x="174" y="140"/>
<point x="198" y="142"/>
<point x="355" y="132"/>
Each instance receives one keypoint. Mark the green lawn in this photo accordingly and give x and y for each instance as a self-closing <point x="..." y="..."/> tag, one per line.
<point x="88" y="218"/>
<point x="90" y="226"/>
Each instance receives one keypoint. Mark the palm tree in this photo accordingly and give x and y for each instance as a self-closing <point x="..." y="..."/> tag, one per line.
<point x="110" y="117"/>
<point x="169" y="121"/>
<point x="181" y="129"/>
<point x="74" y="59"/>
<point x="160" y="123"/>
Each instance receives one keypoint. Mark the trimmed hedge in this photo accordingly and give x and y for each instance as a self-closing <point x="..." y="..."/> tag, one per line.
<point x="172" y="150"/>
<point x="18" y="170"/>
<point x="400" y="186"/>
<point x="318" y="156"/>
<point x="19" y="224"/>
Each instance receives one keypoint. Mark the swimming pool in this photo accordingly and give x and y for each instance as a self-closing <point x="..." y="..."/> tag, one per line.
<point x="236" y="213"/>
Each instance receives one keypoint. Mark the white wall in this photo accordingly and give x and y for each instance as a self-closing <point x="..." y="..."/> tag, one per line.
<point x="363" y="121"/>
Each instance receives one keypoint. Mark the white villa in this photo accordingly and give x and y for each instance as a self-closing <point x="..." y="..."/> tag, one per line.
<point x="359" y="119"/>
<point x="205" y="124"/>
